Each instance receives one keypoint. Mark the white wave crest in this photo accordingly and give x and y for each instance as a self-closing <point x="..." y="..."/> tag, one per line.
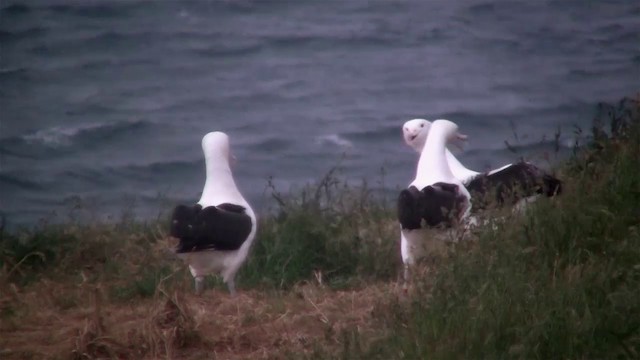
<point x="334" y="139"/>
<point x="58" y="136"/>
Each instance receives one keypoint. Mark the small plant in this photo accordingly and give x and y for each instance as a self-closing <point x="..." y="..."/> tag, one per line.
<point x="30" y="252"/>
<point x="330" y="231"/>
<point x="143" y="284"/>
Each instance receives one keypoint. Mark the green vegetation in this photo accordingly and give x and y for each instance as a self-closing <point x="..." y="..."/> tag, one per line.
<point x="561" y="281"/>
<point x="330" y="231"/>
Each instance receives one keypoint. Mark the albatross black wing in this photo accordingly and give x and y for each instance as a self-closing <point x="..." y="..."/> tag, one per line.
<point x="234" y="208"/>
<point x="551" y="186"/>
<point x="223" y="227"/>
<point x="514" y="182"/>
<point x="442" y="204"/>
<point x="183" y="220"/>
<point x="438" y="204"/>
<point x="408" y="206"/>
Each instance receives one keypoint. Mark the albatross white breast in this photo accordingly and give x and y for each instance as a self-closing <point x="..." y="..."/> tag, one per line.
<point x="515" y="181"/>
<point x="435" y="197"/>
<point x="216" y="233"/>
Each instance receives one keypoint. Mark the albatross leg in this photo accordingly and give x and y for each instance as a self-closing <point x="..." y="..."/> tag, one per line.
<point x="406" y="273"/>
<point x="199" y="285"/>
<point x="405" y="276"/>
<point x="231" y="284"/>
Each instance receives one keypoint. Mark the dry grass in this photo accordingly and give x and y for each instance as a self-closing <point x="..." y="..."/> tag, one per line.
<point x="253" y="325"/>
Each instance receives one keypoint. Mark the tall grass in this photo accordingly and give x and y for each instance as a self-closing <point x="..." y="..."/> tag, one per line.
<point x="328" y="232"/>
<point x="130" y="258"/>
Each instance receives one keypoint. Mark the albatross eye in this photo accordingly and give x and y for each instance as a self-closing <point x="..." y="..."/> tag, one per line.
<point x="421" y="125"/>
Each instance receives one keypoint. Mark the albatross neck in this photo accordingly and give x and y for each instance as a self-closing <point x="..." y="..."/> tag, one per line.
<point x="433" y="162"/>
<point x="219" y="186"/>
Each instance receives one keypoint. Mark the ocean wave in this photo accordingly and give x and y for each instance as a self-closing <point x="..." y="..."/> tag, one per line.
<point x="189" y="173"/>
<point x="228" y="50"/>
<point x="482" y="8"/>
<point x="545" y="152"/>
<point x="485" y="160"/>
<point x="10" y="71"/>
<point x="10" y="182"/>
<point x="101" y="42"/>
<point x="270" y="144"/>
<point x="566" y="142"/>
<point x="111" y="39"/>
<point x="245" y="47"/>
<point x="334" y="139"/>
<point x="374" y="35"/>
<point x="89" y="178"/>
<point x="15" y="9"/>
<point x="61" y="136"/>
<point x="97" y="10"/>
<point x="332" y="40"/>
<point x="248" y="6"/>
<point x="56" y="136"/>
<point x="519" y="114"/>
<point x="84" y="175"/>
<point x="15" y="73"/>
<point x="108" y="38"/>
<point x="614" y="39"/>
<point x="9" y="36"/>
<point x="159" y="167"/>
<point x="379" y="133"/>
<point x="10" y="147"/>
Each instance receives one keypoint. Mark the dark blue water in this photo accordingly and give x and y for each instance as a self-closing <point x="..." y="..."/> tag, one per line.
<point x="103" y="103"/>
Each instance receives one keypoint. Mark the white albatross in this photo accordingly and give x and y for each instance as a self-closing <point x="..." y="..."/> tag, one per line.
<point x="520" y="181"/>
<point x="435" y="197"/>
<point x="216" y="233"/>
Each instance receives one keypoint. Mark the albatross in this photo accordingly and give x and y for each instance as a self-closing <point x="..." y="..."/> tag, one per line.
<point x="435" y="198"/>
<point x="215" y="234"/>
<point x="518" y="181"/>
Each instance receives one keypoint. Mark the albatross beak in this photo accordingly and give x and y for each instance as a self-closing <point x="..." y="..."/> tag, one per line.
<point x="459" y="140"/>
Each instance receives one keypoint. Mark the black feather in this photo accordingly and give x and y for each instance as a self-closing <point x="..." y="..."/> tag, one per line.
<point x="511" y="184"/>
<point x="223" y="227"/>
<point x="439" y="205"/>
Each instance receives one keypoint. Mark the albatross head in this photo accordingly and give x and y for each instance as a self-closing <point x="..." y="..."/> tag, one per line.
<point x="449" y="130"/>
<point x="215" y="146"/>
<point x="415" y="133"/>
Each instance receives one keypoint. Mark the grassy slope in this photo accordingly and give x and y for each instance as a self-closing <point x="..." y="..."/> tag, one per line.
<point x="561" y="282"/>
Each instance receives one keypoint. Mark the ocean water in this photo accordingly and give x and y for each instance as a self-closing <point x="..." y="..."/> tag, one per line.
<point x="103" y="103"/>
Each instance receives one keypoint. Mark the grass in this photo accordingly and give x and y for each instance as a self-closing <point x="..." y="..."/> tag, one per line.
<point x="562" y="281"/>
<point x="331" y="231"/>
